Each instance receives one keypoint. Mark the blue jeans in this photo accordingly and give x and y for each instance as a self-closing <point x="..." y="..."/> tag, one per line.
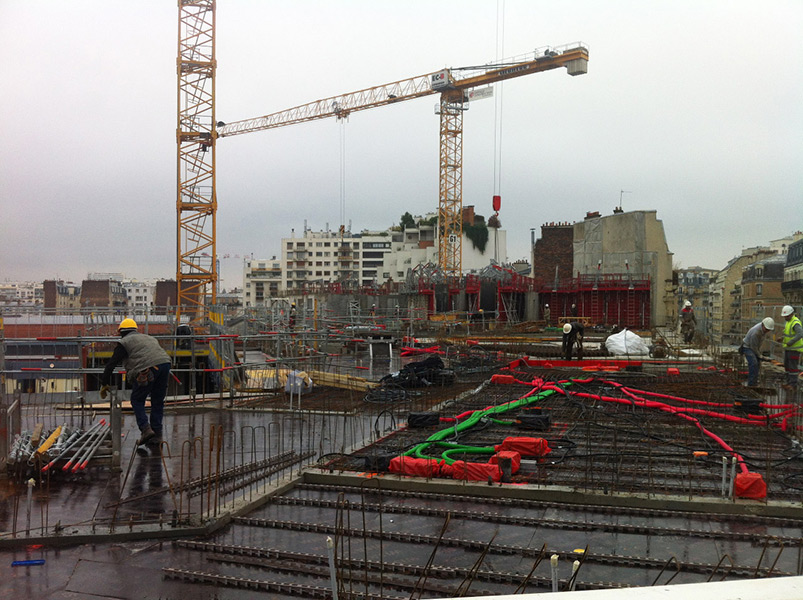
<point x="752" y="366"/>
<point x="157" y="389"/>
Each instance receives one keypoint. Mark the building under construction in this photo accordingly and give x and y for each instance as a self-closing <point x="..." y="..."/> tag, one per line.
<point x="433" y="438"/>
<point x="321" y="455"/>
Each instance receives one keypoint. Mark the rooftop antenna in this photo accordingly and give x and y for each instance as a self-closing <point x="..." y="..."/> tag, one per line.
<point x="622" y="193"/>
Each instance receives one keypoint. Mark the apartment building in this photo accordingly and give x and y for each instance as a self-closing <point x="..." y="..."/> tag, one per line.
<point x="61" y="296"/>
<point x="367" y="258"/>
<point x="725" y="297"/>
<point x="21" y="293"/>
<point x="792" y="285"/>
<point x="262" y="279"/>
<point x="141" y="294"/>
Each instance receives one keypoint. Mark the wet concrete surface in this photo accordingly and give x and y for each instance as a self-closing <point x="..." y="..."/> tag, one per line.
<point x="201" y="445"/>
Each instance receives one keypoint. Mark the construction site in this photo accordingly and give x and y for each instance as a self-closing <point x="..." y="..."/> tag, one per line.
<point x="437" y="437"/>
<point x="327" y="453"/>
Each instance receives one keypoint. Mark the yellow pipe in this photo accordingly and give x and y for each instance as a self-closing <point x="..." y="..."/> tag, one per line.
<point x="49" y="441"/>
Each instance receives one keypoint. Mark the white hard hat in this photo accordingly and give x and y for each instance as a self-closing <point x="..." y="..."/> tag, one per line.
<point x="546" y="305"/>
<point x="787" y="310"/>
<point x="768" y="323"/>
<point x="687" y="303"/>
<point x="567" y="328"/>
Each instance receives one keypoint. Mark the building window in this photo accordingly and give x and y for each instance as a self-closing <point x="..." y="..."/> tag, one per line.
<point x="759" y="289"/>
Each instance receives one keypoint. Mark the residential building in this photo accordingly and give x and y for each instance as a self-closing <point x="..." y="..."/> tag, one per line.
<point x="781" y="245"/>
<point x="792" y="285"/>
<point x="262" y="279"/>
<point x="98" y="276"/>
<point x="21" y="293"/>
<point x="761" y="289"/>
<point x="61" y="296"/>
<point x="725" y="297"/>
<point x="166" y="295"/>
<point x="419" y="245"/>
<point x="140" y="294"/>
<point x="367" y="258"/>
<point x="694" y="285"/>
<point x="100" y="292"/>
<point x="553" y="253"/>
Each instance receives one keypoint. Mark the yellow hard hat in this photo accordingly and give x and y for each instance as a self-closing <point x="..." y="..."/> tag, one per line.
<point x="127" y="324"/>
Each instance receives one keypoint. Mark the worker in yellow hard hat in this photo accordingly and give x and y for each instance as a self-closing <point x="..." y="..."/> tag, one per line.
<point x="147" y="368"/>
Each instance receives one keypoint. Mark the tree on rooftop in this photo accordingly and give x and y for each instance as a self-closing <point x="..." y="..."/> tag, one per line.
<point x="407" y="220"/>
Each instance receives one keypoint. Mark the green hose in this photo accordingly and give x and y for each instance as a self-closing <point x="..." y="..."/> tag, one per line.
<point x="438" y="437"/>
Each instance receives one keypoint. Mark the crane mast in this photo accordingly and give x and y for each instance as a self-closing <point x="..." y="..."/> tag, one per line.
<point x="452" y="85"/>
<point x="196" y="199"/>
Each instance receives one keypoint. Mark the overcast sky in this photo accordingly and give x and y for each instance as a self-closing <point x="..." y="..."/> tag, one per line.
<point x="695" y="107"/>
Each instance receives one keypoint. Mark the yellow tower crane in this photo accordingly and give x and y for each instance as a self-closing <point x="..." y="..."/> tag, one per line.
<point x="197" y="132"/>
<point x="453" y="86"/>
<point x="196" y="200"/>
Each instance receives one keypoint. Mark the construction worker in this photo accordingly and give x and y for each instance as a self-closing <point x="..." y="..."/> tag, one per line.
<point x="751" y="347"/>
<point x="292" y="319"/>
<point x="688" y="322"/>
<point x="573" y="336"/>
<point x="147" y="368"/>
<point x="792" y="346"/>
<point x="547" y="314"/>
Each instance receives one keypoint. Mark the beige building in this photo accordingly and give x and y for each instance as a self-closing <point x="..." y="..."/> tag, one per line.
<point x="725" y="296"/>
<point x="633" y="244"/>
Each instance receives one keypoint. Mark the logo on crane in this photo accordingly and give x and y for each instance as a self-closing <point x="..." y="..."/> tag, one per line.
<point x="441" y="80"/>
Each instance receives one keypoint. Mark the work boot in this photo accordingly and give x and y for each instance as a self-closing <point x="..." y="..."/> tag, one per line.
<point x="146" y="436"/>
<point x="155" y="440"/>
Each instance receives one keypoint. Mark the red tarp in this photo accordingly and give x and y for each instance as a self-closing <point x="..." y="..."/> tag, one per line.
<point x="750" y="485"/>
<point x="526" y="446"/>
<point x="419" y="467"/>
<point x="515" y="460"/>
<point x="469" y="471"/>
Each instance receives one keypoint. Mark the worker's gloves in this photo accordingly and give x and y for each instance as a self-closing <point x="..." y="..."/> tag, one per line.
<point x="104" y="391"/>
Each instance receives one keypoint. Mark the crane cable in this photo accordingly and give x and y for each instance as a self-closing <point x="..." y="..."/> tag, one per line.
<point x="500" y="48"/>
<point x="342" y="176"/>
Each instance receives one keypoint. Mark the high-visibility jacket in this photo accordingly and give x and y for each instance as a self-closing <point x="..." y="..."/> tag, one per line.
<point x="789" y="333"/>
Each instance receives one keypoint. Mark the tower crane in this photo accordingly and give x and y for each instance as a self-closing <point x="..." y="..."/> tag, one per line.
<point x="453" y="86"/>
<point x="196" y="198"/>
<point x="197" y="132"/>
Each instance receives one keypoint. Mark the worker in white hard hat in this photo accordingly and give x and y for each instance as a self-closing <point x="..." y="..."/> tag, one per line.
<point x="688" y="322"/>
<point x="572" y="337"/>
<point x="792" y="346"/>
<point x="751" y="347"/>
<point x="291" y="321"/>
<point x="547" y="314"/>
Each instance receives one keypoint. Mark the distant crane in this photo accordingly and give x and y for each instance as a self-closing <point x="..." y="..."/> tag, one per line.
<point x="197" y="131"/>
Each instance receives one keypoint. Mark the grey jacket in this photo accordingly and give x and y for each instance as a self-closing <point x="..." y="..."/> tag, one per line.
<point x="754" y="338"/>
<point x="143" y="352"/>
